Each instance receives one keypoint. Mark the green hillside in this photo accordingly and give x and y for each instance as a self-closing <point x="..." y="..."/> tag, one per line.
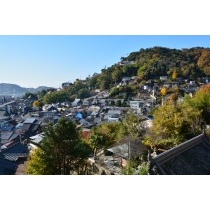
<point x="143" y="65"/>
<point x="154" y="62"/>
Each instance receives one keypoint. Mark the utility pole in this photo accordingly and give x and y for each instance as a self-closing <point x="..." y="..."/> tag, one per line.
<point x="129" y="143"/>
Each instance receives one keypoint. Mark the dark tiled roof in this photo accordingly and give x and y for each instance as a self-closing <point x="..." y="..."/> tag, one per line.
<point x="35" y="127"/>
<point x="17" y="148"/>
<point x="189" y="158"/>
<point x="6" y="135"/>
<point x="26" y="126"/>
<point x="14" y="136"/>
<point x="7" y="167"/>
<point x="31" y="126"/>
<point x="133" y="149"/>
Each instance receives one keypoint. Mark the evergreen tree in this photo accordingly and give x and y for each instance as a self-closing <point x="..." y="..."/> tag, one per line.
<point x="61" y="151"/>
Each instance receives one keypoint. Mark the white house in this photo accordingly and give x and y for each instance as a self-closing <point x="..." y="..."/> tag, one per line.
<point x="113" y="119"/>
<point x="135" y="104"/>
<point x="163" y="78"/>
<point x="126" y="79"/>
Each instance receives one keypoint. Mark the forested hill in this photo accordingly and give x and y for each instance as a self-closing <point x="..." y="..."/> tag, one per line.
<point x="145" y="64"/>
<point x="153" y="62"/>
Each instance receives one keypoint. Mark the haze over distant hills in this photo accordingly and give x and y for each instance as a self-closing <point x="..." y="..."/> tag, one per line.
<point x="10" y="89"/>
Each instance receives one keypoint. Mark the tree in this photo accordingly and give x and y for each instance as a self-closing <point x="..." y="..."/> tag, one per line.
<point x="36" y="164"/>
<point x="118" y="103"/>
<point x="201" y="101"/>
<point x="112" y="103"/>
<point x="116" y="75"/>
<point x="136" y="168"/>
<point x="83" y="93"/>
<point x="105" y="135"/>
<point x="173" y="125"/>
<point x="204" y="61"/>
<point x="28" y="94"/>
<point x="163" y="91"/>
<point x="132" y="125"/>
<point x="97" y="141"/>
<point x="36" y="104"/>
<point x="61" y="151"/>
<point x="174" y="75"/>
<point x="56" y="96"/>
<point x="92" y="82"/>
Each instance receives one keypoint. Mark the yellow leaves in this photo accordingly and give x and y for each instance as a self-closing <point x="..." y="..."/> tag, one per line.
<point x="36" y="104"/>
<point x="174" y="75"/>
<point x="35" y="165"/>
<point x="173" y="122"/>
<point x="147" y="141"/>
<point x="163" y="91"/>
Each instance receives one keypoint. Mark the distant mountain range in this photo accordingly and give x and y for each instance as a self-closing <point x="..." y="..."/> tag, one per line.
<point x="13" y="89"/>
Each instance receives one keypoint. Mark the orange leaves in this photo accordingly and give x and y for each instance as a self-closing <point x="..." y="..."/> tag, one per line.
<point x="204" y="89"/>
<point x="204" y="61"/>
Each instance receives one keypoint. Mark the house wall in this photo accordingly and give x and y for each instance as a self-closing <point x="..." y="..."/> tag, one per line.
<point x="134" y="104"/>
<point x="124" y="162"/>
<point x="111" y="119"/>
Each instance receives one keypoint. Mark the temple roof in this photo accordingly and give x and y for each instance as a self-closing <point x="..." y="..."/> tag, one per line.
<point x="189" y="158"/>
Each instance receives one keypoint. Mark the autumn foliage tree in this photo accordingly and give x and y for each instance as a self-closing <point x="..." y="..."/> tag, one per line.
<point x="201" y="101"/>
<point x="104" y="135"/>
<point x="163" y="91"/>
<point x="36" y="104"/>
<point x="172" y="125"/>
<point x="174" y="75"/>
<point x="204" y="61"/>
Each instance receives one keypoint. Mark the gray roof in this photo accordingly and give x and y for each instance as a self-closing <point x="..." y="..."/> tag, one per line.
<point x="35" y="127"/>
<point x="8" y="103"/>
<point x="128" y="150"/>
<point x="189" y="158"/>
<point x="14" y="136"/>
<point x="5" y="135"/>
<point x="77" y="100"/>
<point x="29" y="120"/>
<point x="26" y="126"/>
<point x="97" y="120"/>
<point x="114" y="111"/>
<point x="37" y="138"/>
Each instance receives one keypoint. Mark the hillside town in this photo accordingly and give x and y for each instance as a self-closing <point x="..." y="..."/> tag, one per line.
<point x="23" y="122"/>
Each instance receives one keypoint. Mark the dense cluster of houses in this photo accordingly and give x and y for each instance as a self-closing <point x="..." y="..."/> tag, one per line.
<point x="20" y="129"/>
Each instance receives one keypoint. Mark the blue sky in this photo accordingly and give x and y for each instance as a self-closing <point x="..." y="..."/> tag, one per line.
<point x="31" y="61"/>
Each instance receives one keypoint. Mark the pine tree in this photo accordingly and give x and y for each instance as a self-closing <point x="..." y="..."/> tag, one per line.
<point x="61" y="151"/>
